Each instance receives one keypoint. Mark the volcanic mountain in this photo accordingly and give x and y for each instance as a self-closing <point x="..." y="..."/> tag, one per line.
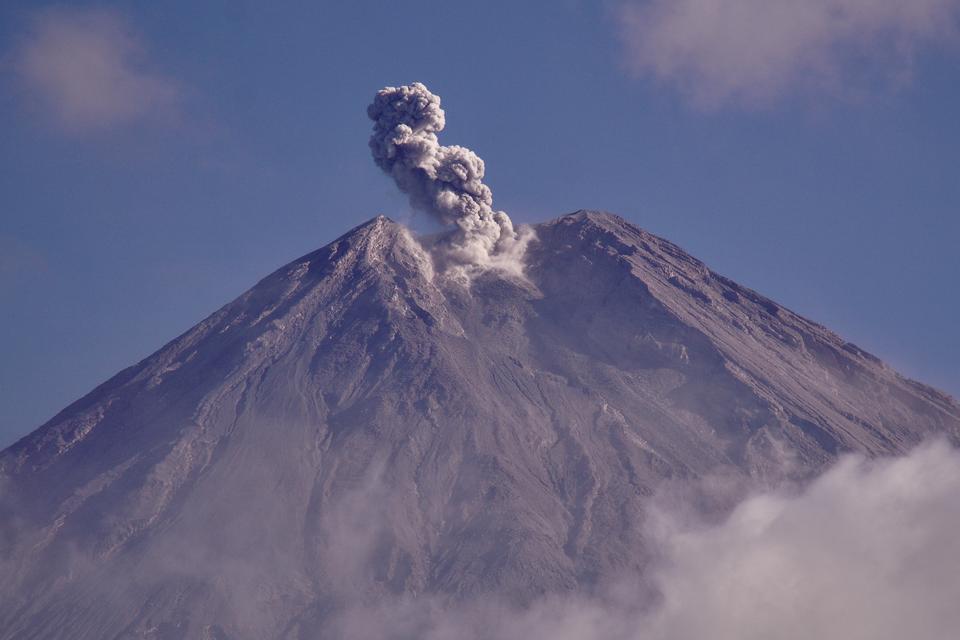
<point x="357" y="427"/>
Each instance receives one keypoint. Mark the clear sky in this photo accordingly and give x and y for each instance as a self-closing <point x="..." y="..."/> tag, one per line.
<point x="157" y="159"/>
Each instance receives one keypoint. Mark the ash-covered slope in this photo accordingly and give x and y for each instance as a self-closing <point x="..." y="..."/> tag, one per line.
<point x="354" y="428"/>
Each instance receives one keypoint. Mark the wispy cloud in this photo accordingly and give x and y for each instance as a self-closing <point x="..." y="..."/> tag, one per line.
<point x="88" y="70"/>
<point x="867" y="551"/>
<point x="754" y="52"/>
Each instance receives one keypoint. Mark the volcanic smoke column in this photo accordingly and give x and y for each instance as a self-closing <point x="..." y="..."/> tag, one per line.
<point x="446" y="182"/>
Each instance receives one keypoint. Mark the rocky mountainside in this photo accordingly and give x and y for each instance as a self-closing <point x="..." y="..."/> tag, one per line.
<point x="356" y="427"/>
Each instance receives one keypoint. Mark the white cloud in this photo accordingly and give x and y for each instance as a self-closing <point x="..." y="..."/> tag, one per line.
<point x="87" y="69"/>
<point x="869" y="551"/>
<point x="752" y="52"/>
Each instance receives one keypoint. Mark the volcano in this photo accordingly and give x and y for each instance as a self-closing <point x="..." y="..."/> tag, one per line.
<point x="357" y="427"/>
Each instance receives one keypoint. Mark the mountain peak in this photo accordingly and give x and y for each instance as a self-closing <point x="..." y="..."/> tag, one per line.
<point x="376" y="224"/>
<point x="376" y="234"/>
<point x="352" y="427"/>
<point x="591" y="216"/>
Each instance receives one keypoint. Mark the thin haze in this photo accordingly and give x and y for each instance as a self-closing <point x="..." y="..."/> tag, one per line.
<point x="83" y="68"/>
<point x="867" y="552"/>
<point x="750" y="52"/>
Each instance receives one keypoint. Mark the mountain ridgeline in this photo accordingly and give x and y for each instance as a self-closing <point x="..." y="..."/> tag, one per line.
<point x="356" y="428"/>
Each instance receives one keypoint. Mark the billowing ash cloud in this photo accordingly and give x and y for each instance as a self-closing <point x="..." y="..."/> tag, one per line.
<point x="446" y="182"/>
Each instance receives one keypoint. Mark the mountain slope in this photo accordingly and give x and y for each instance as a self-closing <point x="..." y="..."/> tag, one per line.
<point x="355" y="426"/>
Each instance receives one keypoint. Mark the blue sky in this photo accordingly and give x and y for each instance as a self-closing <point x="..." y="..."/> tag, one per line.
<point x="159" y="158"/>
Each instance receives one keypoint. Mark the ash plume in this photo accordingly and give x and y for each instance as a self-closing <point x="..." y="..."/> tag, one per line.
<point x="445" y="182"/>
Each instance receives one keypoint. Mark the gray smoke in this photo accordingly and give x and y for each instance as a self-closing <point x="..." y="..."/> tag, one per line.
<point x="446" y="182"/>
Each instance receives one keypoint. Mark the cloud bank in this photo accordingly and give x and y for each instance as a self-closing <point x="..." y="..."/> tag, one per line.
<point x="869" y="551"/>
<point x="446" y="182"/>
<point x="751" y="52"/>
<point x="87" y="69"/>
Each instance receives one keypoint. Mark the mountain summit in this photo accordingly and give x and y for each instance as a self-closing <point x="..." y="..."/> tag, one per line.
<point x="356" y="427"/>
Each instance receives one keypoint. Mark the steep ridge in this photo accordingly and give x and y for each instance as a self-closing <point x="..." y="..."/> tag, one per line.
<point x="356" y="426"/>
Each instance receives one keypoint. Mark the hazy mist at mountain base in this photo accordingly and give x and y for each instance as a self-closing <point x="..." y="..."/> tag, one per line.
<point x="868" y="551"/>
